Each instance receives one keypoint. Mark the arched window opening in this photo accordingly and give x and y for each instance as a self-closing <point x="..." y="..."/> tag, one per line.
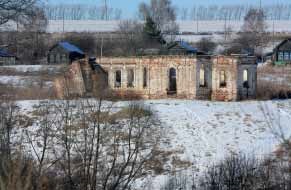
<point x="222" y="79"/>
<point x="117" y="83"/>
<point x="202" y="76"/>
<point x="246" y="79"/>
<point x="145" y="77"/>
<point x="130" y="78"/>
<point x="172" y="81"/>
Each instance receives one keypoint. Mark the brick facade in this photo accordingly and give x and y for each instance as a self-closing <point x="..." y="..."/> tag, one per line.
<point x="189" y="77"/>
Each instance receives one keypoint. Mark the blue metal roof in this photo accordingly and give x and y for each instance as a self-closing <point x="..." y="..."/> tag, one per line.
<point x="4" y="53"/>
<point x="187" y="46"/>
<point x="70" y="47"/>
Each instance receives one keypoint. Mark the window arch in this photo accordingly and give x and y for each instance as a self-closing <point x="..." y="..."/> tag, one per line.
<point x="222" y="79"/>
<point x="145" y="77"/>
<point x="130" y="78"/>
<point x="117" y="83"/>
<point x="246" y="78"/>
<point x="202" y="76"/>
<point x="172" y="80"/>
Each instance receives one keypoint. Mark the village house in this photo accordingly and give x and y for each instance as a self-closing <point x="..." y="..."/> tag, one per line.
<point x="7" y="58"/>
<point x="64" y="53"/>
<point x="281" y="54"/>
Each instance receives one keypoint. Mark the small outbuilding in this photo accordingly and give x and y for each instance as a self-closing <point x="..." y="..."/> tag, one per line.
<point x="7" y="58"/>
<point x="181" y="48"/>
<point x="282" y="53"/>
<point x="64" y="53"/>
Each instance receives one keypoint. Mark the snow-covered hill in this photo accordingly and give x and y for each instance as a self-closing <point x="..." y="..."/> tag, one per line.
<point x="203" y="132"/>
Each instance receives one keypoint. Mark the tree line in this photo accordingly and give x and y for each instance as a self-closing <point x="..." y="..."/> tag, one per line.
<point x="197" y="12"/>
<point x="82" y="12"/>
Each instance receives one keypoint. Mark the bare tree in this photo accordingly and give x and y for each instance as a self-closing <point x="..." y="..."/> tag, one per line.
<point x="42" y="139"/>
<point x="131" y="36"/>
<point x="9" y="115"/>
<point x="254" y="35"/>
<point x="276" y="126"/>
<point x="162" y="13"/>
<point x="206" y="45"/>
<point x="11" y="9"/>
<point x="96" y="147"/>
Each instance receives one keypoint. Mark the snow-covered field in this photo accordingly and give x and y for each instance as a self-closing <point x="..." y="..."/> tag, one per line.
<point x="185" y="26"/>
<point x="204" y="132"/>
<point x="23" y="81"/>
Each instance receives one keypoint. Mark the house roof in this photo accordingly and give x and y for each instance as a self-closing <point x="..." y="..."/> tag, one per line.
<point x="70" y="47"/>
<point x="282" y="43"/>
<point x="184" y="45"/>
<point x="4" y="53"/>
<point x="187" y="46"/>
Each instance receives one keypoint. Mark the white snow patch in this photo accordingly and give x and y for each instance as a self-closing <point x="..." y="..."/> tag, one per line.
<point x="206" y="131"/>
<point x="32" y="68"/>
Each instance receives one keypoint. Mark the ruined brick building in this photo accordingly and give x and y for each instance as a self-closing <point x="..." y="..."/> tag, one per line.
<point x="223" y="78"/>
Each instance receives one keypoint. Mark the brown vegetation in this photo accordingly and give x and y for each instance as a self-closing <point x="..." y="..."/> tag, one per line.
<point x="274" y="82"/>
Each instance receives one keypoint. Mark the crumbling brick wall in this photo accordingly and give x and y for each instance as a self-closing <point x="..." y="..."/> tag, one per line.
<point x="152" y="77"/>
<point x="81" y="79"/>
<point x="234" y="67"/>
<point x="71" y="83"/>
<point x="157" y="77"/>
<point x="204" y="91"/>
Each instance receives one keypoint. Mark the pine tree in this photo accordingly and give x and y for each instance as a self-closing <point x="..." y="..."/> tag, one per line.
<point x="151" y="30"/>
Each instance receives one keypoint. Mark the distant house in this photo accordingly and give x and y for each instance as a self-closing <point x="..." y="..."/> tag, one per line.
<point x="282" y="53"/>
<point x="64" y="53"/>
<point x="181" y="48"/>
<point x="7" y="58"/>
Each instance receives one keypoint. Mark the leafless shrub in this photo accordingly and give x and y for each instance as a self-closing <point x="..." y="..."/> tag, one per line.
<point x="94" y="147"/>
<point x="245" y="173"/>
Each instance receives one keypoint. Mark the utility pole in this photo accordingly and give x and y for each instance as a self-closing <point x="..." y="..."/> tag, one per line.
<point x="260" y="4"/>
<point x="106" y="9"/>
<point x="273" y="33"/>
<point x="63" y="23"/>
<point x="197" y="23"/>
<point x="225" y="26"/>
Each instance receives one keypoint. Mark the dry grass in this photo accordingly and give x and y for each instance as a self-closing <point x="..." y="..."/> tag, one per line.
<point x="274" y="82"/>
<point x="32" y="93"/>
<point x="129" y="112"/>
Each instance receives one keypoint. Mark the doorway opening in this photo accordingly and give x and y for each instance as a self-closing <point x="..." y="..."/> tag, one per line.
<point x="172" y="82"/>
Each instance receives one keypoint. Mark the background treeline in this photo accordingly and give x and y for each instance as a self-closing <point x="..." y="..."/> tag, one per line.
<point x="233" y="12"/>
<point x="212" y="12"/>
<point x="82" y="12"/>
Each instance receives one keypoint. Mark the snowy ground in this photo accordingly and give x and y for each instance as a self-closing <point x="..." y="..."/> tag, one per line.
<point x="204" y="132"/>
<point x="29" y="75"/>
<point x="22" y="69"/>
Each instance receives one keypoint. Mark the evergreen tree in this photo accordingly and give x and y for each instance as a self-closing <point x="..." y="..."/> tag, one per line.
<point x="151" y="31"/>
